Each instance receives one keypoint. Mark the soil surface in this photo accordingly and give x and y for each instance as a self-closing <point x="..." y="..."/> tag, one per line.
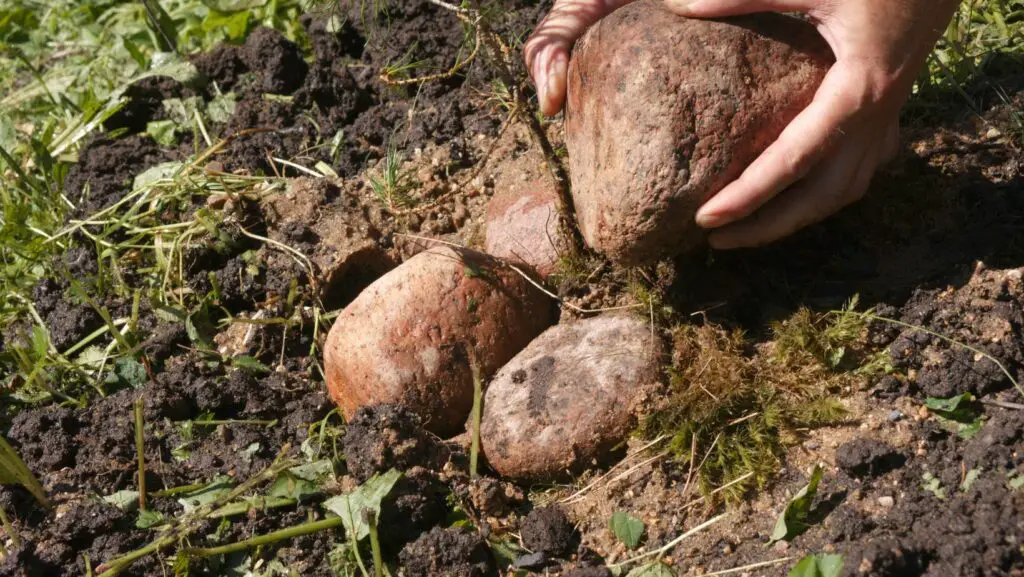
<point x="937" y="246"/>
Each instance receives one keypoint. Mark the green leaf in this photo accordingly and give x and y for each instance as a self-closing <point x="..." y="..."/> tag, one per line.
<point x="969" y="479"/>
<point x="627" y="529"/>
<point x="163" y="132"/>
<point x="170" y="64"/>
<point x="250" y="365"/>
<point x="288" y="486"/>
<point x="233" y="5"/>
<point x="656" y="569"/>
<point x="818" y="566"/>
<point x="794" y="519"/>
<point x="125" y="500"/>
<point x="149" y="518"/>
<point x="1016" y="482"/>
<point x="234" y="24"/>
<point x="158" y="172"/>
<point x="222" y="108"/>
<point x="128" y="373"/>
<point x="368" y="497"/>
<point x="960" y="408"/>
<point x="934" y="485"/>
<point x="206" y="495"/>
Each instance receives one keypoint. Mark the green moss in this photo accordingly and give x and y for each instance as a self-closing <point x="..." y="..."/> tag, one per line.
<point x="733" y="414"/>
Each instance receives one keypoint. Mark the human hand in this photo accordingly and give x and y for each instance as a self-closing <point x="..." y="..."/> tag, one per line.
<point x="826" y="156"/>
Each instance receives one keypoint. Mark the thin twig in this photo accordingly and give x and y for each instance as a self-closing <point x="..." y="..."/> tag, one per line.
<point x="140" y="446"/>
<point x="749" y="567"/>
<point x="274" y="537"/>
<point x="478" y="401"/>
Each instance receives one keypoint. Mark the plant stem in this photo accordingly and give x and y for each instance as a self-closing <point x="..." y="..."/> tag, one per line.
<point x="140" y="446"/>
<point x="184" y="526"/>
<point x="478" y="394"/>
<point x="527" y="113"/>
<point x="378" y="559"/>
<point x="262" y="503"/>
<point x="9" y="530"/>
<point x="10" y="460"/>
<point x="296" y="531"/>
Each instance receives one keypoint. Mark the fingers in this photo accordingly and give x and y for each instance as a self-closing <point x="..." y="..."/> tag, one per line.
<point x="842" y="180"/>
<point x="722" y="8"/>
<point x="547" y="50"/>
<point x="891" y="148"/>
<point x="812" y="135"/>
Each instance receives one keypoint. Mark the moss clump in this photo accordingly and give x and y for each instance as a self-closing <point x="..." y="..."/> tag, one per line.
<point x="735" y="406"/>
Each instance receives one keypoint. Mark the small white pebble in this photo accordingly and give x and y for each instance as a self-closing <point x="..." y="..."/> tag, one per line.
<point x="886" y="501"/>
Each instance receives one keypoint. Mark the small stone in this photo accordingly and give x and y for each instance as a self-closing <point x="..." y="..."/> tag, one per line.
<point x="781" y="546"/>
<point x="569" y="397"/>
<point x="522" y="225"/>
<point x="812" y="444"/>
<point x="886" y="501"/>
<point x="895" y="415"/>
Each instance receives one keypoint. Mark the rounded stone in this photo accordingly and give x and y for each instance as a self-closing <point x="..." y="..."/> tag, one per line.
<point x="410" y="336"/>
<point x="569" y="397"/>
<point x="522" y="225"/>
<point x="663" y="111"/>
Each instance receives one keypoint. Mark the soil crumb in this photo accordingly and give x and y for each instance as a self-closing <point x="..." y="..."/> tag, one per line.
<point x="447" y="553"/>
<point x="548" y="530"/>
<point x="868" y="457"/>
<point x="385" y="437"/>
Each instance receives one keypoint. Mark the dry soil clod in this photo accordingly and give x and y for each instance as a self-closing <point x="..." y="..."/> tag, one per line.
<point x="663" y="112"/>
<point x="569" y="397"/>
<point x="408" y="337"/>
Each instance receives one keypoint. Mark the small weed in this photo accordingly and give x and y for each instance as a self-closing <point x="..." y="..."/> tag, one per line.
<point x="13" y="471"/>
<point x="392" y="184"/>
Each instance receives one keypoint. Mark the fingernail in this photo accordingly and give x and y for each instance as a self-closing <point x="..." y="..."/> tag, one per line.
<point x="555" y="79"/>
<point x="710" y="219"/>
<point x="682" y="7"/>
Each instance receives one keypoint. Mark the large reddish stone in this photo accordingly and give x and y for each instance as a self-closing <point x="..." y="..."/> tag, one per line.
<point x="408" y="337"/>
<point x="664" y="111"/>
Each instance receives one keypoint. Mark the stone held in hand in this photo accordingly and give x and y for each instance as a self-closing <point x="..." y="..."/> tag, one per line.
<point x="663" y="111"/>
<point x="569" y="397"/>
<point x="409" y="337"/>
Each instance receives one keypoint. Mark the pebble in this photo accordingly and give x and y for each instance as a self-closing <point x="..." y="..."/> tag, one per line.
<point x="895" y="415"/>
<point x="886" y="501"/>
<point x="812" y="445"/>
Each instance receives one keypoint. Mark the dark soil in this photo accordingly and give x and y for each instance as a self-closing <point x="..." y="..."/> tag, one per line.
<point x="903" y="268"/>
<point x="385" y="437"/>
<point x="868" y="458"/>
<point x="145" y="103"/>
<point x="447" y="553"/>
<point x="548" y="530"/>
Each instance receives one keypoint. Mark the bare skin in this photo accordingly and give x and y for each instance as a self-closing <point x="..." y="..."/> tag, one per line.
<point x="826" y="157"/>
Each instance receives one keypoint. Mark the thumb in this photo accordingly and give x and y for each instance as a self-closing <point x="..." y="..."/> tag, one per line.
<point x="723" y="8"/>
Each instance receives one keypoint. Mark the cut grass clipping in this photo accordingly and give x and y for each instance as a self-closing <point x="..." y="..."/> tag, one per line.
<point x="731" y="414"/>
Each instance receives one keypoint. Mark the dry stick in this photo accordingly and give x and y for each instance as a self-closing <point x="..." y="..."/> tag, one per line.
<point x="746" y="568"/>
<point x="478" y="394"/>
<point x="527" y="113"/>
<point x="140" y="445"/>
<point x="519" y="271"/>
<point x="296" y="531"/>
<point x="9" y="530"/>
<point x="668" y="546"/>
